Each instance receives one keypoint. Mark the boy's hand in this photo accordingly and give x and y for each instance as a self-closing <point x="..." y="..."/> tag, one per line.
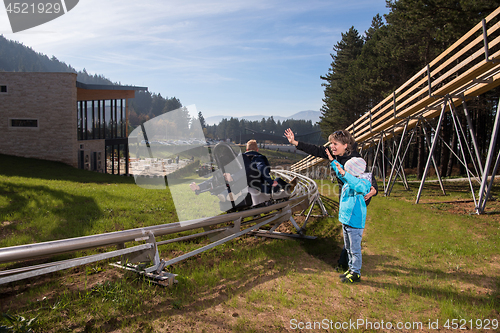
<point x="339" y="167"/>
<point x="370" y="194"/>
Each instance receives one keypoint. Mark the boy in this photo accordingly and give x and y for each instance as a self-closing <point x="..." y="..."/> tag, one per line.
<point x="352" y="211"/>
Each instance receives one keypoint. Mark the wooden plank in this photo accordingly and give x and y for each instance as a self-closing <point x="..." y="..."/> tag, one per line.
<point x="477" y="42"/>
<point x="451" y="87"/>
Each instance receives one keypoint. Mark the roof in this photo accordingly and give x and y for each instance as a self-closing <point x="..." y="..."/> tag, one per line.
<point x="107" y="86"/>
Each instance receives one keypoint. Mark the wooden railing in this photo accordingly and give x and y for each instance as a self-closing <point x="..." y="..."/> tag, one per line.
<point x="468" y="68"/>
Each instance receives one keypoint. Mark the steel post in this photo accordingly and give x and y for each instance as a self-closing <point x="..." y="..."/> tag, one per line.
<point x="456" y="124"/>
<point x="427" y="138"/>
<point x="383" y="160"/>
<point x="432" y="150"/>
<point x="473" y="136"/>
<point x="491" y="149"/>
<point x="495" y="169"/>
<point x="376" y="153"/>
<point x="455" y="115"/>
<point x="401" y="160"/>
<point x="387" y="192"/>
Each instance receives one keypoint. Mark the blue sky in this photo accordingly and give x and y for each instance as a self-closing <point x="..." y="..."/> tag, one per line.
<point x="235" y="58"/>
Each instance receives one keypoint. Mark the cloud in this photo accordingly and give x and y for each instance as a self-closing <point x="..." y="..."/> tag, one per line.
<point x="203" y="48"/>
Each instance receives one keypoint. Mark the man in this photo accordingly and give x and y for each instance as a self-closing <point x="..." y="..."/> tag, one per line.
<point x="258" y="171"/>
<point x="261" y="186"/>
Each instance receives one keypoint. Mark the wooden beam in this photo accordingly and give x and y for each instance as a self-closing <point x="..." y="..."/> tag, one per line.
<point x="98" y="94"/>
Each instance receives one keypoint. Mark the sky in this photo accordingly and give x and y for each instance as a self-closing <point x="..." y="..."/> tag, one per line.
<point x="235" y="58"/>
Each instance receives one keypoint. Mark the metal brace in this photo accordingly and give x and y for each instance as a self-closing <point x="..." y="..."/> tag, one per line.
<point x="228" y="232"/>
<point x="155" y="272"/>
<point x="394" y="103"/>
<point x="486" y="48"/>
<point x="429" y="80"/>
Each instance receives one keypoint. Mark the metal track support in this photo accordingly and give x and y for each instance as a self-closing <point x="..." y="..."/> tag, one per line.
<point x="431" y="152"/>
<point x="456" y="123"/>
<point x="394" y="165"/>
<point x="482" y="191"/>
<point x="473" y="136"/>
<point x="427" y="139"/>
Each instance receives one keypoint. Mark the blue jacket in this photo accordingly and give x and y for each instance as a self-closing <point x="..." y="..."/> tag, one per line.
<point x="352" y="207"/>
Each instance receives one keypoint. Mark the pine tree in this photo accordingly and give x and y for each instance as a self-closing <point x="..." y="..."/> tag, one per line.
<point x="341" y="102"/>
<point x="202" y="120"/>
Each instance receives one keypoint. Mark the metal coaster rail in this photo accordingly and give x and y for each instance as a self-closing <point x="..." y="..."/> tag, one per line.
<point x="304" y="196"/>
<point x="467" y="69"/>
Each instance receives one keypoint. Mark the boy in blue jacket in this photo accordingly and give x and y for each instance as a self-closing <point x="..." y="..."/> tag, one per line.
<point x="352" y="211"/>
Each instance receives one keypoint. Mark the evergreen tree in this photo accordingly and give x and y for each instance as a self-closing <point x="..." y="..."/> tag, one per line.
<point x="375" y="71"/>
<point x="172" y="104"/>
<point x="202" y="120"/>
<point x="341" y="102"/>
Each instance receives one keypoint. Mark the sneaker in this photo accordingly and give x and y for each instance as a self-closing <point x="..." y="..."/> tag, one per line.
<point x="351" y="278"/>
<point x="341" y="276"/>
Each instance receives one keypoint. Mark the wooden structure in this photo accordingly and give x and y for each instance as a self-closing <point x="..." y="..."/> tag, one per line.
<point x="468" y="68"/>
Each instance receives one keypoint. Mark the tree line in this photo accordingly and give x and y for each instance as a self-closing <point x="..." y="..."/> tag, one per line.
<point x="367" y="68"/>
<point x="234" y="128"/>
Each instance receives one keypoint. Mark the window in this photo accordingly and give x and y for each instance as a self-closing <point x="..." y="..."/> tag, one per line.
<point x="101" y="119"/>
<point x="24" y="123"/>
<point x="3" y="89"/>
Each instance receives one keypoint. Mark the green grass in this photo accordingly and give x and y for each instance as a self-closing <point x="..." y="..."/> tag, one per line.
<point x="420" y="262"/>
<point x="43" y="201"/>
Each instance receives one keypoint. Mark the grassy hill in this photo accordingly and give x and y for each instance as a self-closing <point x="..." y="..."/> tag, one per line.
<point x="423" y="265"/>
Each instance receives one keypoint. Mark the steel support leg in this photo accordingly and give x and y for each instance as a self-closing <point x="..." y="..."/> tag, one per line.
<point x="407" y="186"/>
<point x="431" y="152"/>
<point x="466" y="143"/>
<point x="459" y="159"/>
<point x="383" y="160"/>
<point x="376" y="153"/>
<point x="495" y="169"/>
<point x="399" y="172"/>
<point x="456" y="123"/>
<point x="484" y="179"/>
<point x="473" y="136"/>
<point x="394" y="166"/>
<point x="401" y="159"/>
<point x="427" y="138"/>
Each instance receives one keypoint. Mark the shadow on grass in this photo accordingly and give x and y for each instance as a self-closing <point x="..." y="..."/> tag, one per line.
<point x="35" y="200"/>
<point x="492" y="213"/>
<point x="328" y="244"/>
<point x="443" y="285"/>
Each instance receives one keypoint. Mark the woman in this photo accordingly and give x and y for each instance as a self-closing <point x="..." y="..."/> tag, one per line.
<point x="342" y="147"/>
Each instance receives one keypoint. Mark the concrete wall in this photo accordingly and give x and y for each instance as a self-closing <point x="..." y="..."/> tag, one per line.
<point x="51" y="99"/>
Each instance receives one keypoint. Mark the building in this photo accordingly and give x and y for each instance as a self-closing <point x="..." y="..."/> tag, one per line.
<point x="54" y="117"/>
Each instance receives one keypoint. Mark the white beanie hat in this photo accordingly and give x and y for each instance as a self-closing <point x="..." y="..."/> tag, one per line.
<point x="355" y="166"/>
